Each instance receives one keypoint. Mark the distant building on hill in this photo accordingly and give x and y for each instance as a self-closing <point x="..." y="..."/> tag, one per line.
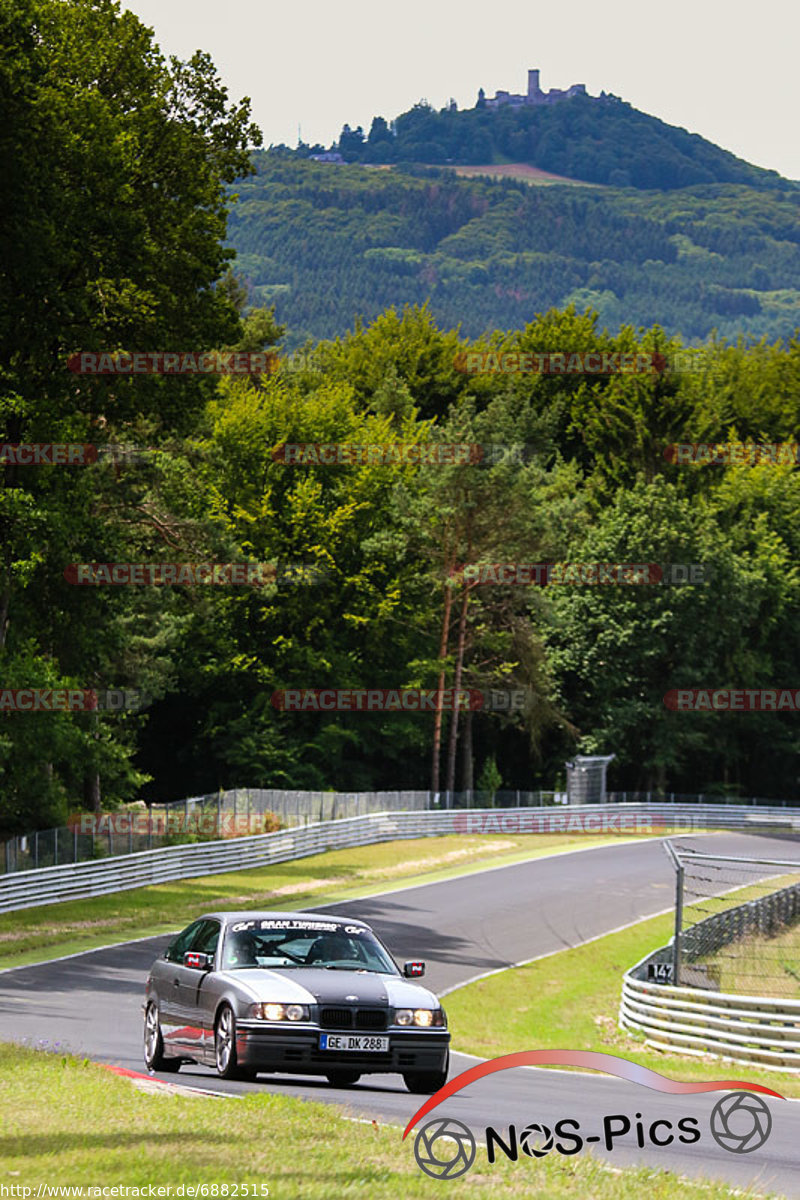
<point x="534" y="95"/>
<point x="330" y="156"/>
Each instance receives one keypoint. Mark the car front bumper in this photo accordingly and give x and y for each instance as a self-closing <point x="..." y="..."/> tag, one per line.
<point x="297" y="1051"/>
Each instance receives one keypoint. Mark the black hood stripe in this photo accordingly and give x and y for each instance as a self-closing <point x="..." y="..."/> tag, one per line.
<point x="334" y="987"/>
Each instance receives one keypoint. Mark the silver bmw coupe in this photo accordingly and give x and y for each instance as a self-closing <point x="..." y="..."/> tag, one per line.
<point x="298" y="993"/>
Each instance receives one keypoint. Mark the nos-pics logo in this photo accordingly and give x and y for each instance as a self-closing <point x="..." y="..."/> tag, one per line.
<point x="445" y="1148"/>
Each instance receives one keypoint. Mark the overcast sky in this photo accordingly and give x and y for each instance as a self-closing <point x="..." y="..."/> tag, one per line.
<point x="721" y="68"/>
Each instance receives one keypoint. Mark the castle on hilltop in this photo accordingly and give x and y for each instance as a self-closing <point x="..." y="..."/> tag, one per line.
<point x="534" y="95"/>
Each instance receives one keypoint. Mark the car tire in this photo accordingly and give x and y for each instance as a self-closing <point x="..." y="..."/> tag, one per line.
<point x="154" y="1057"/>
<point x="225" y="1045"/>
<point x="420" y="1082"/>
<point x="343" y="1078"/>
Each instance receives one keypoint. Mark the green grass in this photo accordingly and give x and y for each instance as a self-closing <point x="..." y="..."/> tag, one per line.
<point x="570" y="1001"/>
<point x="36" y="934"/>
<point x="66" y="1122"/>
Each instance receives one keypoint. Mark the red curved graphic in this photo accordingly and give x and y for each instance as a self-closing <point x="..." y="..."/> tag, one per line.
<point x="595" y="1061"/>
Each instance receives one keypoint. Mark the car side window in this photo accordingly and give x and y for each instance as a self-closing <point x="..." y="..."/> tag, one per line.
<point x="183" y="942"/>
<point x="206" y="938"/>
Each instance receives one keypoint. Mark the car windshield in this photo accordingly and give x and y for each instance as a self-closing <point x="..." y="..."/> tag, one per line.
<point x="286" y="944"/>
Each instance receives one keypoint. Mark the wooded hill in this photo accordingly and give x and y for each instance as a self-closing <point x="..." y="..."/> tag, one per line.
<point x="597" y="139"/>
<point x="327" y="243"/>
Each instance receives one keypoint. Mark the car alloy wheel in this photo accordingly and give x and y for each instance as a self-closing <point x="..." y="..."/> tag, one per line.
<point x="225" y="1048"/>
<point x="154" y="1044"/>
<point x="225" y="1044"/>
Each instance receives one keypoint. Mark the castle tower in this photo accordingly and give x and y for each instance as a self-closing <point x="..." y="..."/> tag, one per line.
<point x="533" y="85"/>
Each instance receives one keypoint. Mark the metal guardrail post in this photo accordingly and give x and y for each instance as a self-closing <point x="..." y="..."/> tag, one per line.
<point x="676" y="951"/>
<point x="676" y="937"/>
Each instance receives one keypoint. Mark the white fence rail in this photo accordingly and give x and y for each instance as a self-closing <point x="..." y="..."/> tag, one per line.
<point x="762" y="1031"/>
<point x="73" y="881"/>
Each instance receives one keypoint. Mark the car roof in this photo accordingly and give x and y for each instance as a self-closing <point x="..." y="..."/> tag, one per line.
<point x="272" y="915"/>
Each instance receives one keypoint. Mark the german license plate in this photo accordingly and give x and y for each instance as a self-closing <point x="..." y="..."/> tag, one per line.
<point x="353" y="1041"/>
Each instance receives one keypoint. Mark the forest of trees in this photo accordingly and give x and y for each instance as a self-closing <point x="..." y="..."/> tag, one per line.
<point x="114" y="241"/>
<point x="326" y="243"/>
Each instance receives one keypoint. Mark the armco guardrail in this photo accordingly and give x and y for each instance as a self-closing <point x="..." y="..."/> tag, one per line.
<point x="137" y="827"/>
<point x="230" y="813"/>
<point x="753" y="1029"/>
<point x="234" y="812"/>
<point x="48" y="885"/>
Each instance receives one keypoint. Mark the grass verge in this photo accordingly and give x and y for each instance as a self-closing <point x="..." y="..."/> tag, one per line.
<point x="36" y="934"/>
<point x="66" y="1122"/>
<point x="570" y="1000"/>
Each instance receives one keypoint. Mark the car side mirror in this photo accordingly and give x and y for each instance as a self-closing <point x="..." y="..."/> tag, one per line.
<point x="199" y="962"/>
<point x="414" y="970"/>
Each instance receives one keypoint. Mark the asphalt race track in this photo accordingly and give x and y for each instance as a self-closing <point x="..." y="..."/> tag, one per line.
<point x="91" y="1005"/>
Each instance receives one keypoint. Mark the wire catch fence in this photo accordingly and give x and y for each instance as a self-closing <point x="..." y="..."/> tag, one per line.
<point x="737" y="924"/>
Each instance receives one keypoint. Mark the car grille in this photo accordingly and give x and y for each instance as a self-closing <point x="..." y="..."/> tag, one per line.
<point x="370" y="1018"/>
<point x="352" y="1018"/>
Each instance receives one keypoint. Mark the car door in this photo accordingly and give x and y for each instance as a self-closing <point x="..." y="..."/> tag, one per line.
<point x="188" y="985"/>
<point x="198" y="993"/>
<point x="169" y="980"/>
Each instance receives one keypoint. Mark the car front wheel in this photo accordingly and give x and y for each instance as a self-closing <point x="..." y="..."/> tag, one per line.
<point x="154" y="1044"/>
<point x="225" y="1048"/>
<point x="420" y="1082"/>
<point x="225" y="1044"/>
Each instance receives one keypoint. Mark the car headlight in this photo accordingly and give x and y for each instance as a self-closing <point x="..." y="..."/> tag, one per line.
<point x="423" y="1018"/>
<point x="280" y="1012"/>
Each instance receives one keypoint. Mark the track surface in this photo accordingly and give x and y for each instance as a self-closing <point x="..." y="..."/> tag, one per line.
<point x="91" y="1004"/>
